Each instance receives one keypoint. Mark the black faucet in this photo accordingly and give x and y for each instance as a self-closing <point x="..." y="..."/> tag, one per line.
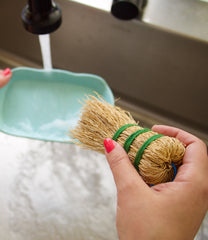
<point x="128" y="9"/>
<point x="41" y="16"/>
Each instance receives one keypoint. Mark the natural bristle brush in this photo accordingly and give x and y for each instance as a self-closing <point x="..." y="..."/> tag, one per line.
<point x="156" y="157"/>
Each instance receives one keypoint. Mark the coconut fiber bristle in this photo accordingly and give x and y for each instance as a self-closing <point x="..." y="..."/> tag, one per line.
<point x="158" y="161"/>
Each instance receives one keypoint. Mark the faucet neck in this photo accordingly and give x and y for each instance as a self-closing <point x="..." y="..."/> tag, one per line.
<point x="41" y="16"/>
<point x="39" y="6"/>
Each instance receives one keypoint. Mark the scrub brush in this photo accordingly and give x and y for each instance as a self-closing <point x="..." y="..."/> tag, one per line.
<point x="156" y="157"/>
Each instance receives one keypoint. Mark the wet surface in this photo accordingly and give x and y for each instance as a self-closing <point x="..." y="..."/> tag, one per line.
<point x="54" y="191"/>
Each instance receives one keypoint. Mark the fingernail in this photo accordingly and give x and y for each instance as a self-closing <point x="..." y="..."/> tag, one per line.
<point x="6" y="71"/>
<point x="109" y="144"/>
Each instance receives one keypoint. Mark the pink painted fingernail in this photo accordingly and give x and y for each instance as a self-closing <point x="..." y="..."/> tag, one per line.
<point x="109" y="144"/>
<point x="6" y="71"/>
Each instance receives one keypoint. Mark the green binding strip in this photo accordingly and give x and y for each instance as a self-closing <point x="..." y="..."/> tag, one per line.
<point x="141" y="150"/>
<point x="121" y="129"/>
<point x="132" y="137"/>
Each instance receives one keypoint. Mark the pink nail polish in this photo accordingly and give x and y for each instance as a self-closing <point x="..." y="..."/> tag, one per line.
<point x="6" y="71"/>
<point x="109" y="144"/>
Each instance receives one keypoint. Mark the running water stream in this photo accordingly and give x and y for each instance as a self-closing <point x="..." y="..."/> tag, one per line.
<point x="45" y="47"/>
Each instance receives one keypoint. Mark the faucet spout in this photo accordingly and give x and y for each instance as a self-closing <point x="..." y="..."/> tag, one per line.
<point x="41" y="16"/>
<point x="128" y="9"/>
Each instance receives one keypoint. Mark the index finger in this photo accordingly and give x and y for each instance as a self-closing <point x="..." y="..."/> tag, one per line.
<point x="184" y="137"/>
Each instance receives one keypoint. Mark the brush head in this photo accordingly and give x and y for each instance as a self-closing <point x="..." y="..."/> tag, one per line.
<point x="100" y="120"/>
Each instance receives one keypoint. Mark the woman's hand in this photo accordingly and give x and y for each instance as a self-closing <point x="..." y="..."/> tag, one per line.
<point x="169" y="211"/>
<point x="5" y="76"/>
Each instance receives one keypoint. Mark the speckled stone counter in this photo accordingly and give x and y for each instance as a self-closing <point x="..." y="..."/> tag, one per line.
<point x="54" y="191"/>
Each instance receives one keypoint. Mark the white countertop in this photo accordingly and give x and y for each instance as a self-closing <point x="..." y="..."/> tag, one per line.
<point x="54" y="191"/>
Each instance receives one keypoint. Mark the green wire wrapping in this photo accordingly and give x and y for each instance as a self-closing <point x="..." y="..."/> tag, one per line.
<point x="141" y="150"/>
<point x="132" y="137"/>
<point x="121" y="129"/>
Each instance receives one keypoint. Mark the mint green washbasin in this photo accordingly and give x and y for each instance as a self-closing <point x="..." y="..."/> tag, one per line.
<point x="44" y="105"/>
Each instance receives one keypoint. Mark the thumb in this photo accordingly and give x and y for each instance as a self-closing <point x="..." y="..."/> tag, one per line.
<point x="124" y="173"/>
<point x="5" y="76"/>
